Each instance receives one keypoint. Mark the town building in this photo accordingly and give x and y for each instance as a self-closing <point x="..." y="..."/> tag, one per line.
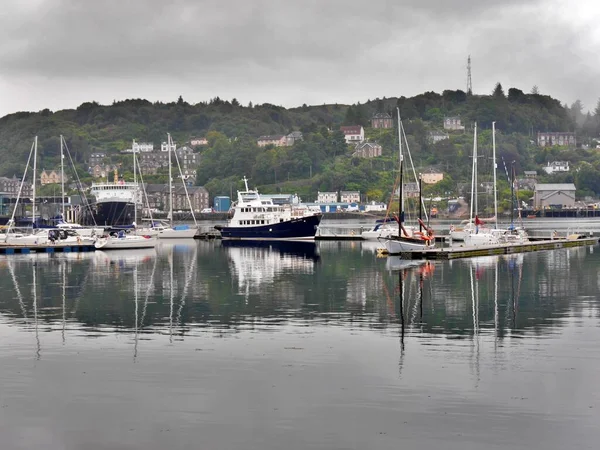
<point x="556" y="166"/>
<point x="431" y="176"/>
<point x="353" y="134"/>
<point x="101" y="170"/>
<point x="350" y="197"/>
<point x="277" y="140"/>
<point x="550" y="139"/>
<point x="453" y="123"/>
<point x="96" y="158"/>
<point x="10" y="187"/>
<point x="436" y="136"/>
<point x="554" y="195"/>
<point x="367" y="150"/>
<point x="196" y="142"/>
<point x="530" y="174"/>
<point x="51" y="177"/>
<point x="327" y="197"/>
<point x="158" y="197"/>
<point x="381" y="120"/>
<point x="140" y="147"/>
<point x="293" y="137"/>
<point x="164" y="146"/>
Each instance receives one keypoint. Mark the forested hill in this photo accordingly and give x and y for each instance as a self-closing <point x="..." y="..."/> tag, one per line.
<point x="320" y="162"/>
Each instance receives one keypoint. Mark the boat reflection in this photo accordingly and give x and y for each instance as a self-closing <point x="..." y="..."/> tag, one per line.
<point x="124" y="257"/>
<point x="257" y="263"/>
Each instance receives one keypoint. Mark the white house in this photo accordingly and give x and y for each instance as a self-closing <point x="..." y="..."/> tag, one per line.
<point x="354" y="134"/>
<point x="164" y="147"/>
<point x="437" y="136"/>
<point x="327" y="197"/>
<point x="139" y="147"/>
<point x="350" y="196"/>
<point x="556" y="166"/>
<point x="453" y="123"/>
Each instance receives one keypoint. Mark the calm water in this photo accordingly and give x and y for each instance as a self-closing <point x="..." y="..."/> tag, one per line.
<point x="326" y="346"/>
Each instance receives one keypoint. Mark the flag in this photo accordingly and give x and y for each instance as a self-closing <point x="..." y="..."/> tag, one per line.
<point x="478" y="221"/>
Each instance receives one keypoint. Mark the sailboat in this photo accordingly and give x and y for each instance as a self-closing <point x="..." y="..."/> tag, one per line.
<point x="178" y="231"/>
<point x="411" y="239"/>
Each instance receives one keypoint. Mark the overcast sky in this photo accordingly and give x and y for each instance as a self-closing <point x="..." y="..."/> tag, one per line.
<point x="60" y="53"/>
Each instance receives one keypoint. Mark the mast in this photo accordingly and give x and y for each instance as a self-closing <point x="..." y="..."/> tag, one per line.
<point x="170" y="182"/>
<point x="420" y="200"/>
<point x="473" y="197"/>
<point x="494" y="167"/>
<point x="62" y="176"/>
<point x="400" y="191"/>
<point x="135" y="186"/>
<point x="33" y="185"/>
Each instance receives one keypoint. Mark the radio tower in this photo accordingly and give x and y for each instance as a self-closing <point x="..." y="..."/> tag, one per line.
<point x="469" y="82"/>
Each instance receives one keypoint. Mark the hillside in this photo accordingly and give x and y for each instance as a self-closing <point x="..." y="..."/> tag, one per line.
<point x="321" y="161"/>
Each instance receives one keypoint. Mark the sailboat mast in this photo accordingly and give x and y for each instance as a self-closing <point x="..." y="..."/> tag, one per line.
<point x="170" y="181"/>
<point x="135" y="196"/>
<point x="494" y="168"/>
<point x="62" y="176"/>
<point x="400" y="192"/>
<point x="474" y="175"/>
<point x="33" y="185"/>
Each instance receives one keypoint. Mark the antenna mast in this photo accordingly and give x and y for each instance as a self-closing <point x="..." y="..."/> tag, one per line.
<point x="469" y="81"/>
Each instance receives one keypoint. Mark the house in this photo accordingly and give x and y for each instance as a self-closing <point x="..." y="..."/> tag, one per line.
<point x="530" y="174"/>
<point x="367" y="150"/>
<point x="164" y="147"/>
<point x="10" y="187"/>
<point x="436" y="136"/>
<point x="349" y="196"/>
<point x="549" y="139"/>
<point x="431" y="176"/>
<point x="277" y="140"/>
<point x="293" y="137"/>
<point x="556" y="166"/>
<point x="554" y="194"/>
<point x="409" y="190"/>
<point x="453" y="123"/>
<point x="327" y="197"/>
<point x="196" y="142"/>
<point x="381" y="120"/>
<point x="101" y="170"/>
<point x="50" y="177"/>
<point x="158" y="197"/>
<point x="353" y="134"/>
<point x="140" y="147"/>
<point x="96" y="158"/>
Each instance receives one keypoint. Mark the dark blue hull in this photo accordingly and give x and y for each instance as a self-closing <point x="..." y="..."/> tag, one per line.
<point x="302" y="228"/>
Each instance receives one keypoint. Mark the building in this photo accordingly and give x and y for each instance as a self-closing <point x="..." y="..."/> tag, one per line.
<point x="196" y="142"/>
<point x="158" y="197"/>
<point x="140" y="147"/>
<point x="556" y="166"/>
<point x="101" y="170"/>
<point x="453" y="123"/>
<point x="277" y="140"/>
<point x="327" y="197"/>
<point x="367" y="150"/>
<point x="410" y="190"/>
<point x="10" y="187"/>
<point x="164" y="147"/>
<point x="353" y="134"/>
<point x="95" y="159"/>
<point x="50" y="177"/>
<point x="549" y="139"/>
<point x="530" y="174"/>
<point x="381" y="120"/>
<point x="436" y="136"/>
<point x="554" y="195"/>
<point x="293" y="137"/>
<point x="432" y="176"/>
<point x="350" y="197"/>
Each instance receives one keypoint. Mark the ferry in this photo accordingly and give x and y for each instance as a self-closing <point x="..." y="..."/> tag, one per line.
<point x="114" y="204"/>
<point x="258" y="218"/>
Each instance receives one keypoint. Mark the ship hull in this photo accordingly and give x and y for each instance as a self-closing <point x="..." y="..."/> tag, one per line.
<point x="303" y="228"/>
<point x="110" y="214"/>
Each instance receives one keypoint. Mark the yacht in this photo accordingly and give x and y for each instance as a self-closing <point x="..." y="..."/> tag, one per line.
<point x="258" y="218"/>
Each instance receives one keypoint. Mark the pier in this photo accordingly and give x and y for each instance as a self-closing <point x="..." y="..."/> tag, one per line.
<point x="44" y="248"/>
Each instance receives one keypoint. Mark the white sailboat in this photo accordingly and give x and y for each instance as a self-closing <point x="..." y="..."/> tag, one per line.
<point x="178" y="231"/>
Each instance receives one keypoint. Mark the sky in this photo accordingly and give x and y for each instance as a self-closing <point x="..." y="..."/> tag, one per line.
<point x="58" y="54"/>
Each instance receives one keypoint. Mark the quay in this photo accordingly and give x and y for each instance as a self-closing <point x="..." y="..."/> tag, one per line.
<point x="457" y="252"/>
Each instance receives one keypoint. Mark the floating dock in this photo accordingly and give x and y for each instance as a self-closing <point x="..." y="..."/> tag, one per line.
<point x="456" y="252"/>
<point x="56" y="248"/>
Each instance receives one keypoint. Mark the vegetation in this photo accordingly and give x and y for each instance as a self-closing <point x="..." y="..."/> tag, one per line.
<point x="322" y="161"/>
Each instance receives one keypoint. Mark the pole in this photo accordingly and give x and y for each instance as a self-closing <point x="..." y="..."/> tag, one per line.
<point x="170" y="182"/>
<point x="494" y="166"/>
<point x="400" y="191"/>
<point x="62" y="176"/>
<point x="512" y="190"/>
<point x="420" y="200"/>
<point x="135" y="202"/>
<point x="33" y="185"/>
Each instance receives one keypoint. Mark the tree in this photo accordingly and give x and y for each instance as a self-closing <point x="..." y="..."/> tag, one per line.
<point x="498" y="91"/>
<point x="535" y="90"/>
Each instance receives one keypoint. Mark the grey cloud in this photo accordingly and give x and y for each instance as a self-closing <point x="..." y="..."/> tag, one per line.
<point x="290" y="52"/>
